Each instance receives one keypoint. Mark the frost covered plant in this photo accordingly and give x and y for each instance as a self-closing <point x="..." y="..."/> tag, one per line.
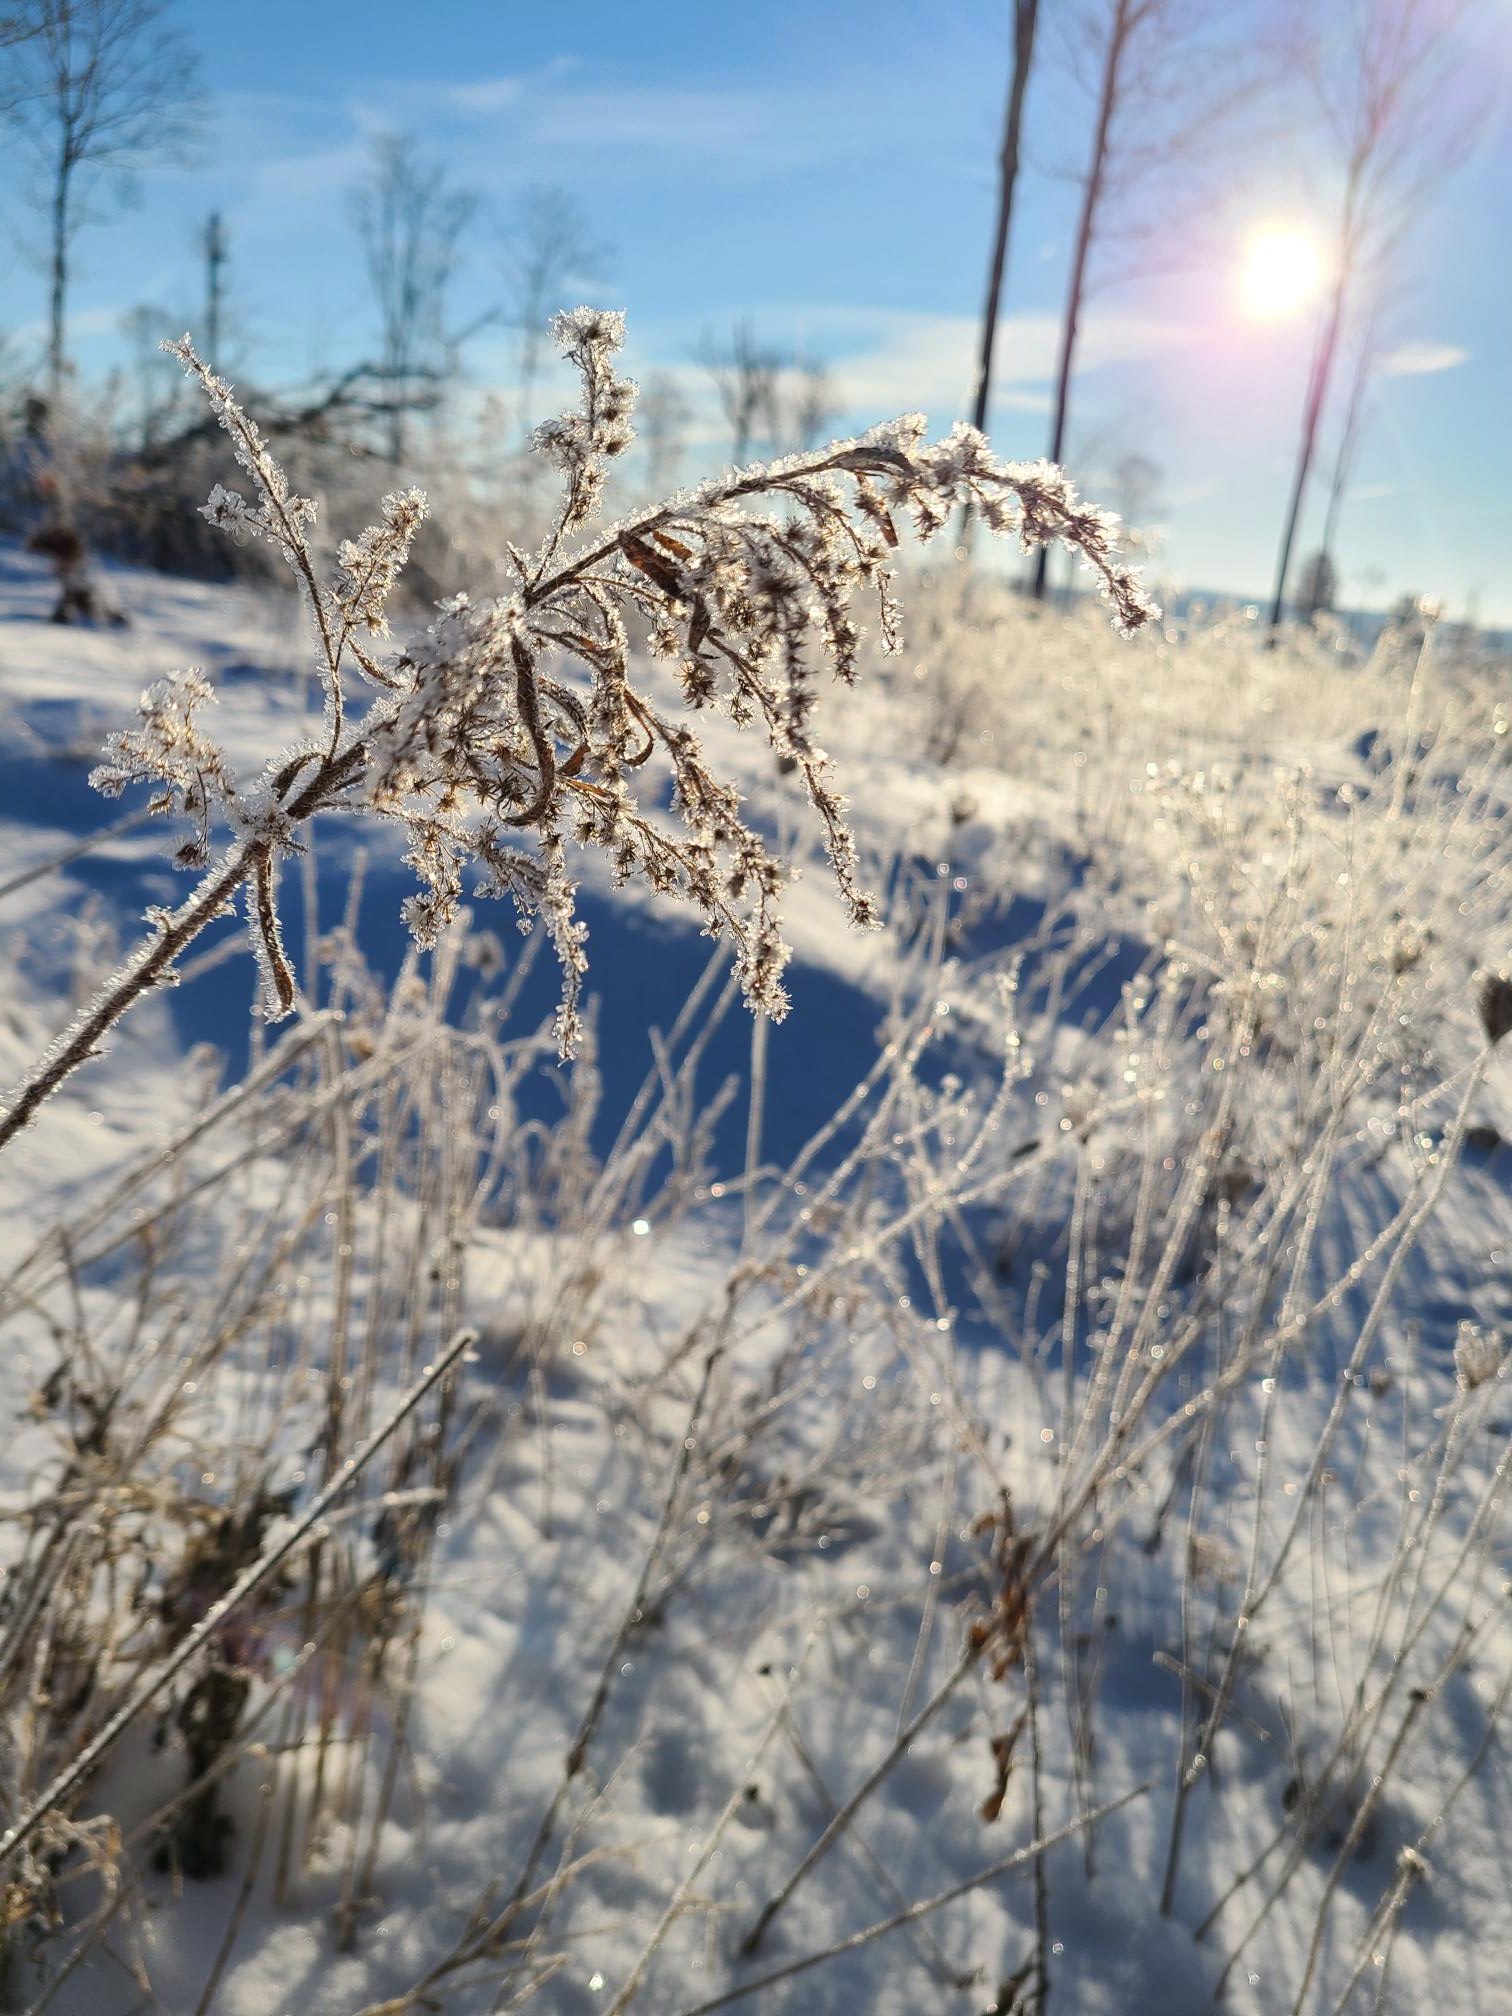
<point x="170" y="746"/>
<point x="1478" y="1356"/>
<point x="518" y="727"/>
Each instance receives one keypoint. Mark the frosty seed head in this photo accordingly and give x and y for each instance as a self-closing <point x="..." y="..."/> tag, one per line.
<point x="1478" y="1356"/>
<point x="517" y="728"/>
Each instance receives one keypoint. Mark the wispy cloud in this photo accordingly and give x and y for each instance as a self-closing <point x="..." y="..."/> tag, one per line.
<point x="752" y="131"/>
<point x="880" y="362"/>
<point x="82" y="324"/>
<point x="499" y="130"/>
<point x="884" y="360"/>
<point x="488" y="96"/>
<point x="287" y="180"/>
<point x="1421" y="360"/>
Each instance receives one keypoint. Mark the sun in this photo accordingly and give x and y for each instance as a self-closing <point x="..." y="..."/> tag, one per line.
<point x="1281" y="273"/>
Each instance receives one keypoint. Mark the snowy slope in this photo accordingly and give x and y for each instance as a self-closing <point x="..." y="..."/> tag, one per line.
<point x="723" y="1467"/>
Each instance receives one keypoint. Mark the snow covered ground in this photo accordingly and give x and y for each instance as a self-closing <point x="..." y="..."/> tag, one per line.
<point x="1074" y="1380"/>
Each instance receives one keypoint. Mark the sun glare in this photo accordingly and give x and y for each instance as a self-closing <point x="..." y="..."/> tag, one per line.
<point x="1281" y="273"/>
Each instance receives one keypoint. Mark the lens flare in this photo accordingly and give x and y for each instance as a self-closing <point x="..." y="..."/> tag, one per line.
<point x="1281" y="274"/>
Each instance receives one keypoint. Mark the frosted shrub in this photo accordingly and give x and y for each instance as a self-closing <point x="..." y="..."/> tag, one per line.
<point x="519" y="725"/>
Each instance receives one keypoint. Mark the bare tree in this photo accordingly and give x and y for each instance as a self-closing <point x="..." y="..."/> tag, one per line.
<point x="1025" y="20"/>
<point x="1122" y="27"/>
<point x="808" y="404"/>
<point x="1320" y="585"/>
<point x="1166" y="86"/>
<point x="95" y="88"/>
<point x="1137" y="496"/>
<point x="662" y="424"/>
<point x="548" y="247"/>
<point x="18" y="24"/>
<point x="769" y="394"/>
<point x="747" y="376"/>
<point x="411" y="221"/>
<point x="1399" y="120"/>
<point x="1322" y="571"/>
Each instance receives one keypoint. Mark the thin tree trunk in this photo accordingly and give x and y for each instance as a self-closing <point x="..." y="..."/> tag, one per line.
<point x="1026" y="15"/>
<point x="528" y="369"/>
<point x="396" y="371"/>
<point x="1349" y="442"/>
<point x="1092" y="188"/>
<point x="1317" y="391"/>
<point x="56" y="306"/>
<point x="215" y="261"/>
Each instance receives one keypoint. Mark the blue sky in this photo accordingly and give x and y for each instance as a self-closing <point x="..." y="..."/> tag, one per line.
<point x="828" y="170"/>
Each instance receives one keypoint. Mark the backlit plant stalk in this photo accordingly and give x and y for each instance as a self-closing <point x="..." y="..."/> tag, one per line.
<point x="525" y="719"/>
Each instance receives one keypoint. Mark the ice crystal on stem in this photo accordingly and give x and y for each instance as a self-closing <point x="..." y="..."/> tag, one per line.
<point x="169" y="747"/>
